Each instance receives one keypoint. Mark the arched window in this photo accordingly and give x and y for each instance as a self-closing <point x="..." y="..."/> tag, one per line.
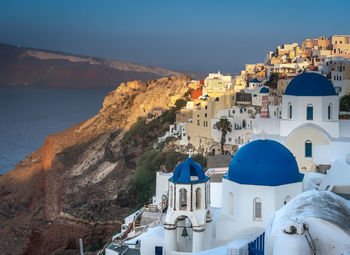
<point x="198" y="198"/>
<point x="230" y="203"/>
<point x="309" y="112"/>
<point x="286" y="200"/>
<point x="257" y="208"/>
<point x="171" y="197"/>
<point x="330" y="111"/>
<point x="308" y="149"/>
<point x="183" y="199"/>
<point x="290" y="111"/>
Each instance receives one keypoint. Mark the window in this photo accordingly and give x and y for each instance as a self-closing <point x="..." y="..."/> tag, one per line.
<point x="244" y="124"/>
<point x="308" y="149"/>
<point x="183" y="199"/>
<point x="309" y="112"/>
<point x="329" y="111"/>
<point x="198" y="198"/>
<point x="205" y="115"/>
<point x="230" y="202"/>
<point x="198" y="123"/>
<point x="206" y="107"/>
<point x="257" y="209"/>
<point x="290" y="111"/>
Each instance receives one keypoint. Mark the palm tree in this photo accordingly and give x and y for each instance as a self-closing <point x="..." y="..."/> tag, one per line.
<point x="224" y="126"/>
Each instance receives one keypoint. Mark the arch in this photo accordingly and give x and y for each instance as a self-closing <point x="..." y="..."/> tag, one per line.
<point x="257" y="209"/>
<point x="309" y="112"/>
<point x="308" y="149"/>
<point x="208" y="217"/>
<point x="182" y="199"/>
<point x="329" y="109"/>
<point x="230" y="204"/>
<point x="171" y="196"/>
<point x="198" y="198"/>
<point x="290" y="110"/>
<point x="287" y="199"/>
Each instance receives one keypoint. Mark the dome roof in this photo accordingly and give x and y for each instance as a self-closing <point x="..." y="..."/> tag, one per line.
<point x="189" y="172"/>
<point x="310" y="84"/>
<point x="255" y="80"/>
<point x="264" y="90"/>
<point x="264" y="162"/>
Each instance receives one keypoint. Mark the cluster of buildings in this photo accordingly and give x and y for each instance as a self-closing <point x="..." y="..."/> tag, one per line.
<point x="259" y="102"/>
<point x="287" y="187"/>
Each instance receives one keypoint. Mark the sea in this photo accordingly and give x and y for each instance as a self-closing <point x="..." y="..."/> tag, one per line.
<point x="29" y="115"/>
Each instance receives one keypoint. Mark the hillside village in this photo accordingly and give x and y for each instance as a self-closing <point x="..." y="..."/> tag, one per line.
<point x="282" y="123"/>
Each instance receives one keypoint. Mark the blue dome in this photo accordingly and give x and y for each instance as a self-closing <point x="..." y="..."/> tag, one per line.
<point x="255" y="80"/>
<point x="310" y="84"/>
<point x="264" y="162"/>
<point x="187" y="169"/>
<point x="264" y="90"/>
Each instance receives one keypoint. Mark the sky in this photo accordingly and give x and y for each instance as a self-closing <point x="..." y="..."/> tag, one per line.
<point x="200" y="36"/>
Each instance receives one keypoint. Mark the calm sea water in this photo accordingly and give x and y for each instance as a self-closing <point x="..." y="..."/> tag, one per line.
<point x="28" y="115"/>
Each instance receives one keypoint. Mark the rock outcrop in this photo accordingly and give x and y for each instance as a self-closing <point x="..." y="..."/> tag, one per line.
<point x="75" y="186"/>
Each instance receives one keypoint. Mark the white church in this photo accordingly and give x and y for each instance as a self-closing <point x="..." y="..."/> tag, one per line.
<point x="310" y="127"/>
<point x="262" y="179"/>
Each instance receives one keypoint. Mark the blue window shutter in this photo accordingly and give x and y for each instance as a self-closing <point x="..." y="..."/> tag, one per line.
<point x="309" y="113"/>
<point x="308" y="149"/>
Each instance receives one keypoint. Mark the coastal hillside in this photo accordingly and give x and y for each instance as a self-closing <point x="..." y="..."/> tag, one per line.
<point x="21" y="66"/>
<point x="84" y="180"/>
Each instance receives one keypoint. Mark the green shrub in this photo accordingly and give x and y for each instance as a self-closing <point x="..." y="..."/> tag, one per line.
<point x="143" y="181"/>
<point x="179" y="104"/>
<point x="139" y="128"/>
<point x="345" y="103"/>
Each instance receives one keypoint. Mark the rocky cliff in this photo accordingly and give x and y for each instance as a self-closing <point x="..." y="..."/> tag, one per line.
<point x="21" y="66"/>
<point x="76" y="185"/>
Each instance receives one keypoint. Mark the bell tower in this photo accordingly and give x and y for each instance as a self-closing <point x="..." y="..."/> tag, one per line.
<point x="188" y="220"/>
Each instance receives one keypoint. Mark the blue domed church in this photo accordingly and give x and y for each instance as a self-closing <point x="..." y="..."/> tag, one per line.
<point x="263" y="176"/>
<point x="310" y="127"/>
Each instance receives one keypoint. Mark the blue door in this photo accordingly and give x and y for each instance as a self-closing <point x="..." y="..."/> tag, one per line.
<point x="159" y="250"/>
<point x="257" y="247"/>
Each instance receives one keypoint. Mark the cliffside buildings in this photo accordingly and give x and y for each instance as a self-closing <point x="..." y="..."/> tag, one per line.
<point x="287" y="187"/>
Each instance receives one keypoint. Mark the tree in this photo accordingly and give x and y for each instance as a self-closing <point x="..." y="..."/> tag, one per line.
<point x="224" y="126"/>
<point x="180" y="103"/>
<point x="272" y="82"/>
<point x="345" y="103"/>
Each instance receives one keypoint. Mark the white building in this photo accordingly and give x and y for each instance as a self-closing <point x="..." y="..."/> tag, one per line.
<point x="310" y="125"/>
<point x="216" y="82"/>
<point x="241" y="120"/>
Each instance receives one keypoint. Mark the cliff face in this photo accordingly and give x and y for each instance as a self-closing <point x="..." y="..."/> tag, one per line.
<point x="76" y="184"/>
<point x="30" y="67"/>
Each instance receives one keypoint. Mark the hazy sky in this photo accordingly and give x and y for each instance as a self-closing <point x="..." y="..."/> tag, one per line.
<point x="183" y="35"/>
